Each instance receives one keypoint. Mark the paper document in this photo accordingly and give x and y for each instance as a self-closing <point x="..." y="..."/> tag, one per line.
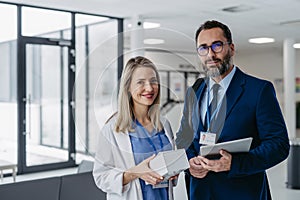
<point x="235" y="146"/>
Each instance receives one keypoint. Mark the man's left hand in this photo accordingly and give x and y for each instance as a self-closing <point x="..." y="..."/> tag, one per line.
<point x="221" y="165"/>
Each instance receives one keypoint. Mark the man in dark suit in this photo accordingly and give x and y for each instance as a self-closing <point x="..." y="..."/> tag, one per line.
<point x="246" y="107"/>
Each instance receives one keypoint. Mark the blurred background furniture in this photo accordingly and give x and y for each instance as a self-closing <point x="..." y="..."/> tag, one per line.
<point x="77" y="186"/>
<point x="7" y="165"/>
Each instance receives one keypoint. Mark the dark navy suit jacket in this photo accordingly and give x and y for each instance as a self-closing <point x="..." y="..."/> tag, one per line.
<point x="252" y="110"/>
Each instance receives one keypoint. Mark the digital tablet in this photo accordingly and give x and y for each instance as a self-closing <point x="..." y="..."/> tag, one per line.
<point x="234" y="146"/>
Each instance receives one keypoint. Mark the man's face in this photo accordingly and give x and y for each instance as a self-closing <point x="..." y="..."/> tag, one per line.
<point x="215" y="64"/>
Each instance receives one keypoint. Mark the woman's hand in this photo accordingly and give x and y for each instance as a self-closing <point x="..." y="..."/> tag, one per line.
<point x="143" y="172"/>
<point x="174" y="177"/>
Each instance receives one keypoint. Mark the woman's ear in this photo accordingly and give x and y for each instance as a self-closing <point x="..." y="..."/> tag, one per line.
<point x="129" y="94"/>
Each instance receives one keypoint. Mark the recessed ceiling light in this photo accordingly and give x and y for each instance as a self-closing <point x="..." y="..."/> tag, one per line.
<point x="153" y="41"/>
<point x="261" y="40"/>
<point x="148" y="25"/>
<point x="296" y="45"/>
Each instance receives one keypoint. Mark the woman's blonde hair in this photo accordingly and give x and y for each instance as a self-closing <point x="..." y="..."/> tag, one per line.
<point x="125" y="113"/>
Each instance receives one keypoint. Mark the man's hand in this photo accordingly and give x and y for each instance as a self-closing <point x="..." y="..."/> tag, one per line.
<point x="221" y="165"/>
<point x="196" y="169"/>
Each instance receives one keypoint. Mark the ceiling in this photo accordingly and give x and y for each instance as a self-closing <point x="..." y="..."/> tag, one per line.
<point x="179" y="20"/>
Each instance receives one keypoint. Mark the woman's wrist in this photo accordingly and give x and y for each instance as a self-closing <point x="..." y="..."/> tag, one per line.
<point x="128" y="176"/>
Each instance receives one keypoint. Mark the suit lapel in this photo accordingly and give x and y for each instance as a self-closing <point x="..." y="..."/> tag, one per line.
<point x="199" y="95"/>
<point x="233" y="93"/>
<point x="235" y="90"/>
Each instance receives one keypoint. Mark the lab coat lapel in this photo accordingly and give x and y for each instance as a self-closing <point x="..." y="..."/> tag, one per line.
<point x="124" y="144"/>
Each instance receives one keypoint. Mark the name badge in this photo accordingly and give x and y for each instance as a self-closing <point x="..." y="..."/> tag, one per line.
<point x="207" y="138"/>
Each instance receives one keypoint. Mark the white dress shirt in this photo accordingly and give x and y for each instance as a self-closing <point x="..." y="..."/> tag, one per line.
<point x="224" y="84"/>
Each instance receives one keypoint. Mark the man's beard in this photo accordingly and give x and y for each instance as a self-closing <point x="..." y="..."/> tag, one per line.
<point x="218" y="70"/>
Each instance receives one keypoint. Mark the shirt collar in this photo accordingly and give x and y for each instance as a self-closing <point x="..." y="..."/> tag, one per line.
<point x="224" y="83"/>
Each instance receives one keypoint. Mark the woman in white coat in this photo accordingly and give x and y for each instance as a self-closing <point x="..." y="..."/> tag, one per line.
<point x="132" y="137"/>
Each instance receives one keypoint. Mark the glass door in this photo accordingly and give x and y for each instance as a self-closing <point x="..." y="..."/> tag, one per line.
<point x="48" y="142"/>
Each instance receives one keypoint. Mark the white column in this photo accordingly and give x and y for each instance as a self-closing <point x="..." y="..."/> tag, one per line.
<point x="137" y="37"/>
<point x="289" y="86"/>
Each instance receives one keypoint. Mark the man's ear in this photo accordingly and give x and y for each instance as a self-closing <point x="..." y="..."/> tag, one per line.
<point x="232" y="47"/>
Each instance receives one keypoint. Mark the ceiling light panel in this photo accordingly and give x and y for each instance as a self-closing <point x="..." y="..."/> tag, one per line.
<point x="261" y="40"/>
<point x="153" y="41"/>
<point x="296" y="45"/>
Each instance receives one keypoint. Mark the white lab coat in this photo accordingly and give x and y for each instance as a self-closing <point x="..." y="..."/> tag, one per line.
<point x="113" y="156"/>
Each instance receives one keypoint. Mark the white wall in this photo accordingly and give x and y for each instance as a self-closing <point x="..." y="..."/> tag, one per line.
<point x="266" y="64"/>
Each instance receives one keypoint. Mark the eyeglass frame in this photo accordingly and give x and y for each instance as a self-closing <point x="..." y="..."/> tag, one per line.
<point x="211" y="47"/>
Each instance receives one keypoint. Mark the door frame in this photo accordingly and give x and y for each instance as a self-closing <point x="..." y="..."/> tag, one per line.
<point x="21" y="95"/>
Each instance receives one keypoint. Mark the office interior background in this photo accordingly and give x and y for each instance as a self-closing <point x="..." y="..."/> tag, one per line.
<point x="61" y="60"/>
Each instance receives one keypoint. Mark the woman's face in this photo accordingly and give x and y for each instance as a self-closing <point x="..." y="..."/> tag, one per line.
<point x="143" y="86"/>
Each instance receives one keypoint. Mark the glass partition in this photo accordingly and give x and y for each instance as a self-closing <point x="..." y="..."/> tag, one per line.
<point x="96" y="78"/>
<point x="45" y="22"/>
<point x="8" y="82"/>
<point x="46" y="104"/>
<point x="36" y="121"/>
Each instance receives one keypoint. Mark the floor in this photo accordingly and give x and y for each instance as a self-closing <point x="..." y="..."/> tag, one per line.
<point x="277" y="177"/>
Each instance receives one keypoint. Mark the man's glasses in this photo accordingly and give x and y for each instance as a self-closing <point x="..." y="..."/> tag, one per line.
<point x="216" y="47"/>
